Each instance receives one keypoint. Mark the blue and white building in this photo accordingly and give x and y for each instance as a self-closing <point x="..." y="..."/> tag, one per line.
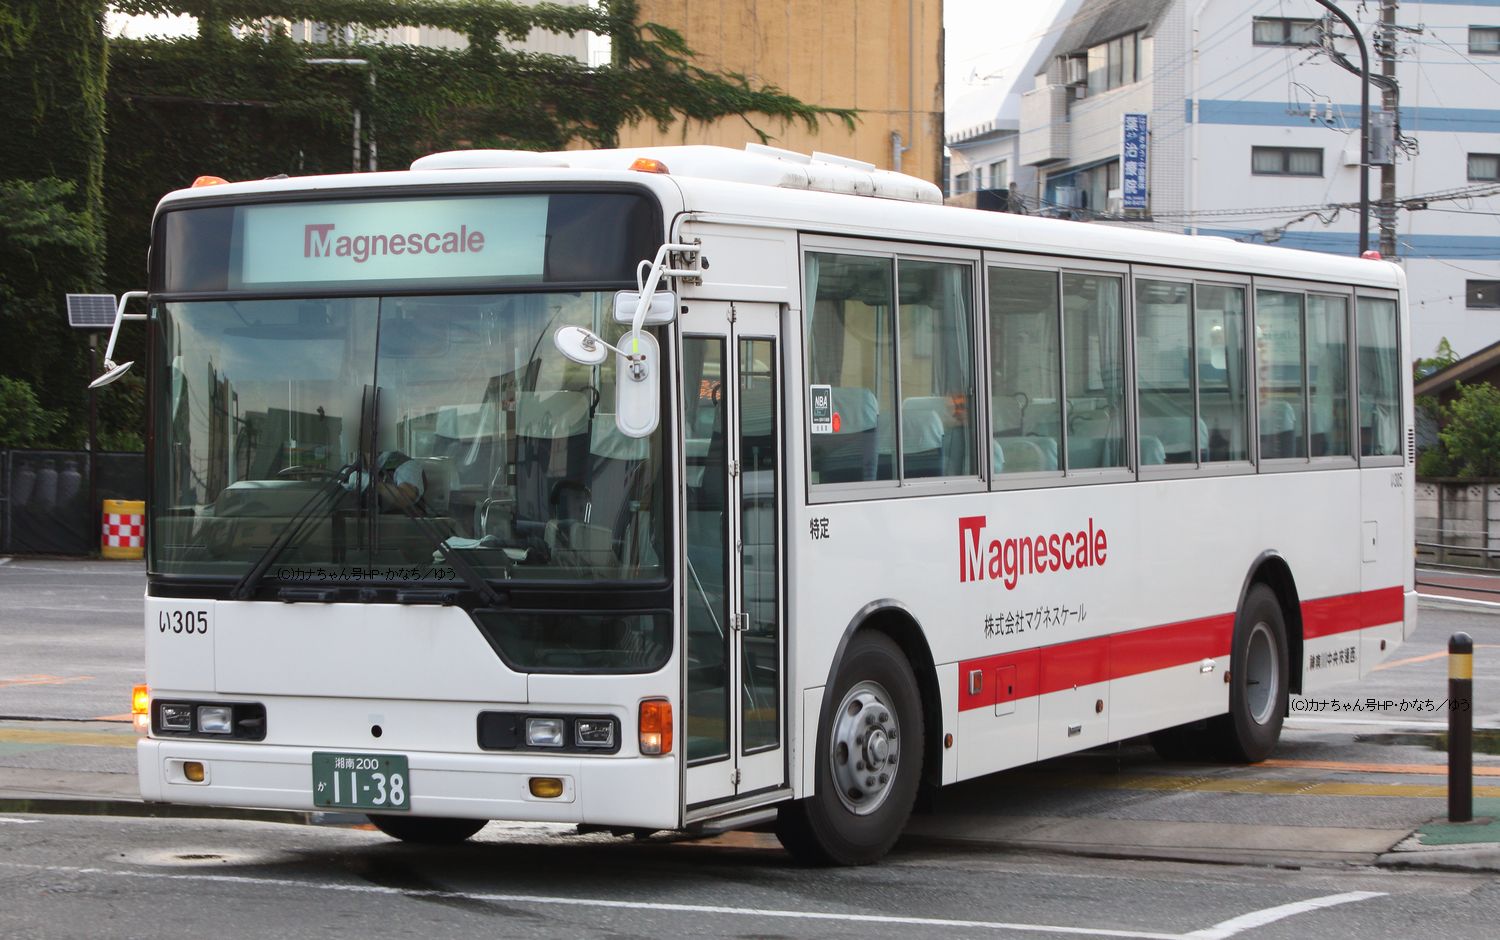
<point x="1254" y="135"/>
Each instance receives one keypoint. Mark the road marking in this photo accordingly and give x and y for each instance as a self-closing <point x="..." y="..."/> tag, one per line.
<point x="1426" y="657"/>
<point x="1219" y="931"/>
<point x="1409" y="660"/>
<point x="68" y="738"/>
<point x="636" y="905"/>
<point x="1221" y="784"/>
<point x="4" y="561"/>
<point x="40" y="679"/>
<point x="1435" y="770"/>
<point x="1270" y="915"/>
<point x="21" y="822"/>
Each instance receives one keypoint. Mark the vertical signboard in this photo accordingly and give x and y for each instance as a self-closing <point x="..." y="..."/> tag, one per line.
<point x="1133" y="167"/>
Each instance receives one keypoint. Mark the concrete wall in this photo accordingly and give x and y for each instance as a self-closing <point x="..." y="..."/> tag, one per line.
<point x="1455" y="520"/>
<point x="883" y="57"/>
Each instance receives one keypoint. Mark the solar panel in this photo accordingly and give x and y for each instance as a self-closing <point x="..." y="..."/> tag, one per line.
<point x="91" y="311"/>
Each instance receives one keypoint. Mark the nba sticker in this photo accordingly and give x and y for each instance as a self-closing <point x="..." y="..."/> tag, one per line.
<point x="820" y="398"/>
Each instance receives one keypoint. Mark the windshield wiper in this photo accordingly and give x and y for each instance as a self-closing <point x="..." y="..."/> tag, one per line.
<point x="244" y="589"/>
<point x="439" y="541"/>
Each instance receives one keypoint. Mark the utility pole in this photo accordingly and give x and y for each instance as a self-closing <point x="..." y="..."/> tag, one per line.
<point x="1385" y="47"/>
<point x="1364" y="116"/>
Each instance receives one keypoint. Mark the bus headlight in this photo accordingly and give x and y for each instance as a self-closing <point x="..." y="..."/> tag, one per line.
<point x="213" y="719"/>
<point x="544" y="732"/>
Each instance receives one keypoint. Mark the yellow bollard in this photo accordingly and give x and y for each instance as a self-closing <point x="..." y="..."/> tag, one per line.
<point x="123" y="533"/>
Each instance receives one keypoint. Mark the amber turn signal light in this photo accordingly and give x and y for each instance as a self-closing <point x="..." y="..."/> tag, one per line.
<point x="656" y="726"/>
<point x="649" y="165"/>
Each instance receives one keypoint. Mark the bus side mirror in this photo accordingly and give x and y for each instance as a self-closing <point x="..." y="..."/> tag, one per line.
<point x="637" y="374"/>
<point x="663" y="308"/>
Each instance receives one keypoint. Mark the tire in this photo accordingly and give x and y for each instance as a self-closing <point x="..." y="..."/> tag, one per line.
<point x="1258" y="681"/>
<point x="866" y="782"/>
<point x="427" y="830"/>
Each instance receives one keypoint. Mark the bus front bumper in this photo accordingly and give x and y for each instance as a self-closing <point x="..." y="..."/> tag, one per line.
<point x="632" y="792"/>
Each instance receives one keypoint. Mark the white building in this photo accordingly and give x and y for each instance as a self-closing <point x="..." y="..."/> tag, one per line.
<point x="1254" y="135"/>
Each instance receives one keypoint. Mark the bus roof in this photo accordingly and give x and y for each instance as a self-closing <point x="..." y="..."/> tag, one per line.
<point x="825" y="195"/>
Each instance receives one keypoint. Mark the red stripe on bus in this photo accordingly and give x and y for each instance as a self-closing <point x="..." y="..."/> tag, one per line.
<point x="1330" y="615"/>
<point x="1040" y="670"/>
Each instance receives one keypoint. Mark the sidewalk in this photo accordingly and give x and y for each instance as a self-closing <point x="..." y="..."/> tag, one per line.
<point x="1464" y="590"/>
<point x="1304" y="807"/>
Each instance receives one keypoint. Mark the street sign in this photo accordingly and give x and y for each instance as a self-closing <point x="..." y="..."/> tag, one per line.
<point x="1133" y="165"/>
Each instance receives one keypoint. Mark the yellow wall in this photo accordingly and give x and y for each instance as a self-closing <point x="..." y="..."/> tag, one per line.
<point x="836" y="53"/>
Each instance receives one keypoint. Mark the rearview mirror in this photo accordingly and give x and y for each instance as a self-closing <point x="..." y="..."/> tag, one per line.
<point x="663" y="308"/>
<point x="637" y="387"/>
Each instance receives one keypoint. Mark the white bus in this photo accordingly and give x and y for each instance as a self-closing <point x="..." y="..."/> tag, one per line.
<point x="696" y="489"/>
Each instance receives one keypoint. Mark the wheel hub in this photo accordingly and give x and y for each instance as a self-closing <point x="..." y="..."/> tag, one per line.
<point x="864" y="748"/>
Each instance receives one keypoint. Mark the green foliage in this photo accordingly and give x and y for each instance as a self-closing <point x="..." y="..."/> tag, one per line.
<point x="23" y="420"/>
<point x="45" y="247"/>
<point x="1471" y="431"/>
<point x="52" y="67"/>
<point x="1442" y="358"/>
<point x="254" y="107"/>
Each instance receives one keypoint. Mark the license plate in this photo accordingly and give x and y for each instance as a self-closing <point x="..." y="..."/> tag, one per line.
<point x="361" y="781"/>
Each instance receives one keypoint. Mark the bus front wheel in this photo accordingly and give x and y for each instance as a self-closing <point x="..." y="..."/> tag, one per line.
<point x="427" y="830"/>
<point x="869" y="760"/>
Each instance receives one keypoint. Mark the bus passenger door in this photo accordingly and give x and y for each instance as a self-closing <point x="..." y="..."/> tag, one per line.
<point x="733" y="721"/>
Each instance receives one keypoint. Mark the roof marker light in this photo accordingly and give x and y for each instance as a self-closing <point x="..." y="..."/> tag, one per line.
<point x="650" y="165"/>
<point x="208" y="181"/>
<point x="1370" y="255"/>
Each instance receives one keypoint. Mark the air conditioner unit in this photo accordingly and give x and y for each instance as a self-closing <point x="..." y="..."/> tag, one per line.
<point x="1076" y="70"/>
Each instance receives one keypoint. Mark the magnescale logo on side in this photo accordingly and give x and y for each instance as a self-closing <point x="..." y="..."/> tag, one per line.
<point x="1006" y="560"/>
<point x="318" y="241"/>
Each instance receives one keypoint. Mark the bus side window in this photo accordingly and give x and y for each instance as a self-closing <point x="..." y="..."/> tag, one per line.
<point x="1279" y="374"/>
<point x="1223" y="397"/>
<point x="1026" y="376"/>
<point x="851" y="347"/>
<point x="937" y="369"/>
<point x="1379" y="378"/>
<point x="1094" y="370"/>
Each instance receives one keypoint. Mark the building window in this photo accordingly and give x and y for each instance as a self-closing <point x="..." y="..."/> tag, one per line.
<point x="960" y="184"/>
<point x="1484" y="166"/>
<point x="1286" y="161"/>
<point x="1115" y="63"/>
<point x="1482" y="295"/>
<point x="999" y="175"/>
<point x="1085" y="189"/>
<point x="1280" y="31"/>
<point x="1484" y="40"/>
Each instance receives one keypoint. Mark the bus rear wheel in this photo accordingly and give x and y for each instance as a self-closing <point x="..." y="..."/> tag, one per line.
<point x="427" y="830"/>
<point x="1258" y="680"/>
<point x="869" y="760"/>
<point x="1258" y="683"/>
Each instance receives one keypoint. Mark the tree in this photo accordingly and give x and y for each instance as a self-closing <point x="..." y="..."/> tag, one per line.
<point x="52" y="63"/>
<point x="1471" y="431"/>
<point x="242" y="101"/>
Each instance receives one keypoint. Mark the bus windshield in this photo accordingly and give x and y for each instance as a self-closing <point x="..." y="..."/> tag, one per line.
<point x="377" y="427"/>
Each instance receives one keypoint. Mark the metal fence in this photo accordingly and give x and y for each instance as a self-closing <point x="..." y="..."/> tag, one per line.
<point x="44" y="498"/>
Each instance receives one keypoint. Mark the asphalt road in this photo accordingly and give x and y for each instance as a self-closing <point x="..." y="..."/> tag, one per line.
<point x="72" y="636"/>
<point x="101" y="877"/>
<point x="71" y="639"/>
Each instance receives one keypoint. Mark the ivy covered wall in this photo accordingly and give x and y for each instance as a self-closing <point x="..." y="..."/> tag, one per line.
<point x="52" y="79"/>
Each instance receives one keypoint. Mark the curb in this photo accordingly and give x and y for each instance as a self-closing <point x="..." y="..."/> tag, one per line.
<point x="95" y="806"/>
<point x="1444" y="602"/>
